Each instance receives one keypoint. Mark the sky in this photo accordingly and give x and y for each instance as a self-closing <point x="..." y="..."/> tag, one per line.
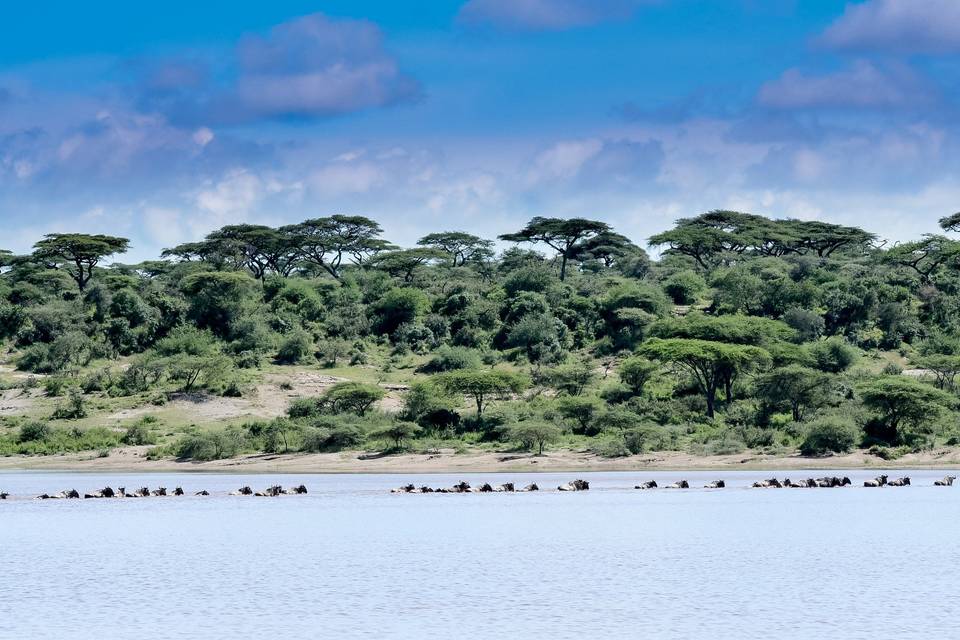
<point x="163" y="121"/>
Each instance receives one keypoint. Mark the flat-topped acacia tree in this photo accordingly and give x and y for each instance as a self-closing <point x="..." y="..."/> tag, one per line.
<point x="481" y="385"/>
<point x="77" y="253"/>
<point x="563" y="235"/>
<point x="712" y="364"/>
<point x="462" y="247"/>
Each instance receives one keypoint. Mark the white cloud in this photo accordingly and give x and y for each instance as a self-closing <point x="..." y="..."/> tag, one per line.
<point x="346" y="178"/>
<point x="907" y="26"/>
<point x="545" y="15"/>
<point x="862" y="85"/>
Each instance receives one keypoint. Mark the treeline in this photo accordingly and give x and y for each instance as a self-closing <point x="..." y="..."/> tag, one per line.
<point x="745" y="332"/>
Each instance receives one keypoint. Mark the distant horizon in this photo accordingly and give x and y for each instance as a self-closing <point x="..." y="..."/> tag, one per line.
<point x="162" y="124"/>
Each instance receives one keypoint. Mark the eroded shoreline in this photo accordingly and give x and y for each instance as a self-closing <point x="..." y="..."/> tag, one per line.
<point x="133" y="459"/>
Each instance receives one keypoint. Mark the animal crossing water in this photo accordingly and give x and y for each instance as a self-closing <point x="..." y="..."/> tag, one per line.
<point x="351" y="560"/>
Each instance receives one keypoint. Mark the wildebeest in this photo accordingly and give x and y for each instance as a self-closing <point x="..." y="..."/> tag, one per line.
<point x="680" y="484"/>
<point x="946" y="482"/>
<point x="242" y="491"/>
<point x="106" y="492"/>
<point x="576" y="485"/>
<point x="879" y="481"/>
<point x="716" y="484"/>
<point x="649" y="484"/>
<point x="765" y="484"/>
<point x="530" y="487"/>
<point x="899" y="482"/>
<point x="270" y="492"/>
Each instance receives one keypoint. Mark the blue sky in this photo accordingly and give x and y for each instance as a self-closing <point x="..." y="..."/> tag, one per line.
<point x="162" y="121"/>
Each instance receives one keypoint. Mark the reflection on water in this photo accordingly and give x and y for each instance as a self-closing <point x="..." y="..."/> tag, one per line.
<point x="349" y="560"/>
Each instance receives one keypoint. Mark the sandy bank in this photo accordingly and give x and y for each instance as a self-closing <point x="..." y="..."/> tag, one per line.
<point x="446" y="461"/>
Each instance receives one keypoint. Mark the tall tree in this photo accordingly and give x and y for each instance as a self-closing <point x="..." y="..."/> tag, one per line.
<point x="562" y="235"/>
<point x="462" y="247"/>
<point x="710" y="363"/>
<point x="78" y="253"/>
<point x="798" y="387"/>
<point x="902" y="403"/>
<point x="925" y="256"/>
<point x="325" y="242"/>
<point x="404" y="262"/>
<point x="481" y="385"/>
<point x="259" y="248"/>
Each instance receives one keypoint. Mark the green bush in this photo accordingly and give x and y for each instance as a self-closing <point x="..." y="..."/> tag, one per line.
<point x="34" y="431"/>
<point x="139" y="435"/>
<point x="296" y="347"/>
<point x="829" y="435"/>
<point x="450" y="359"/>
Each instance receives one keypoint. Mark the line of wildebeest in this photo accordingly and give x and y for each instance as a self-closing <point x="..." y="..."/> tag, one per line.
<point x="161" y="492"/>
<point x="583" y="485"/>
<point x="464" y="487"/>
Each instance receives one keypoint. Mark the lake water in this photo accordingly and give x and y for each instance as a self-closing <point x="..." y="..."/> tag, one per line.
<point x="350" y="560"/>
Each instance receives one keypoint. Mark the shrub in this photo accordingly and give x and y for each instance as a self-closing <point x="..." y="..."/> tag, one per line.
<point x="34" y="431"/>
<point x="649" y="438"/>
<point x="612" y="447"/>
<point x="139" y="435"/>
<point x="213" y="445"/>
<point x="296" y="347"/>
<point x="74" y="409"/>
<point x="684" y="286"/>
<point x="450" y="359"/>
<point x="829" y="435"/>
<point x="833" y="355"/>
<point x="332" y="438"/>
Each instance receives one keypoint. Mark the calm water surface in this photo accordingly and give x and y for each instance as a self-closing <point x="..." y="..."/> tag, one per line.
<point x="352" y="561"/>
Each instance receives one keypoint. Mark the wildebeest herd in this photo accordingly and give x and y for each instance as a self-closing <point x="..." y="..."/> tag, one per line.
<point x="161" y="492"/>
<point x="583" y="485"/>
<point x="507" y="487"/>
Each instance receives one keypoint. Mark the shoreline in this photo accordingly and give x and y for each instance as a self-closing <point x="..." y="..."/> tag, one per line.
<point x="133" y="460"/>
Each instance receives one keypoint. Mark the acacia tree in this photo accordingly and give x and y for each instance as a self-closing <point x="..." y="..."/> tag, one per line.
<point x="257" y="247"/>
<point x="607" y="248"/>
<point x="77" y="253"/>
<point x="461" y="247"/>
<point x="535" y="435"/>
<point x="325" y="242"/>
<point x="944" y="367"/>
<point x="799" y="387"/>
<point x="925" y="256"/>
<point x="403" y="263"/>
<point x="951" y="222"/>
<point x="482" y="385"/>
<point x="711" y="364"/>
<point x="902" y="402"/>
<point x="562" y="235"/>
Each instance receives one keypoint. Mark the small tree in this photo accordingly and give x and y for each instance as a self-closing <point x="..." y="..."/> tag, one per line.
<point x="902" y="402"/>
<point x="481" y="385"/>
<point x="636" y="372"/>
<point x="353" y="397"/>
<point x="583" y="411"/>
<point x="571" y="379"/>
<point x="798" y="387"/>
<point x="535" y="435"/>
<point x="397" y="432"/>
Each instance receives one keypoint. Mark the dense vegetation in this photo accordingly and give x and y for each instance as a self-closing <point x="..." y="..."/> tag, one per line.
<point x="747" y="332"/>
